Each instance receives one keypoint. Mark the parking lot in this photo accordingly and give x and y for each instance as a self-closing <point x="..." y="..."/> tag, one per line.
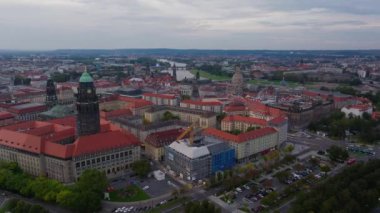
<point x="251" y="194"/>
<point x="150" y="185"/>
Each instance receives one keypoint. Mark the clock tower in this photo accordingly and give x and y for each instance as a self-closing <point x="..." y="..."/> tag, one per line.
<point x="88" y="121"/>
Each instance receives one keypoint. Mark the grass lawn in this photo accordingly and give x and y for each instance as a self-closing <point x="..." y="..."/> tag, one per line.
<point x="130" y="194"/>
<point x="210" y="76"/>
<point x="168" y="205"/>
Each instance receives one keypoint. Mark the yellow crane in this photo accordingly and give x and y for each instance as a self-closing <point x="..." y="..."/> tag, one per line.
<point x="190" y="131"/>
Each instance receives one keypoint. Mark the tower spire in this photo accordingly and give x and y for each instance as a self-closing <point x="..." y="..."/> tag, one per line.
<point x="175" y="72"/>
<point x="88" y="121"/>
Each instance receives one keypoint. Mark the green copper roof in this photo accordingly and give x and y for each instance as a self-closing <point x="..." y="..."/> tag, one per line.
<point x="85" y="78"/>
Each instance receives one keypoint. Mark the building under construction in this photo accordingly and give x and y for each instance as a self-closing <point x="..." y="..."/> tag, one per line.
<point x="198" y="159"/>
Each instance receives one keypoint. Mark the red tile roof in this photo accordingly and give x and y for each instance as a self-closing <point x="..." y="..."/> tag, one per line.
<point x="163" y="138"/>
<point x="278" y="120"/>
<point x="375" y="115"/>
<point x="19" y="140"/>
<point x="156" y="95"/>
<point x="134" y="102"/>
<point x="103" y="141"/>
<point x="202" y="103"/>
<point x="250" y="120"/>
<point x="258" y="107"/>
<point x="71" y="121"/>
<point x="360" y="107"/>
<point x="234" y="108"/>
<point x="241" y="138"/>
<point x="41" y="137"/>
<point x="6" y="115"/>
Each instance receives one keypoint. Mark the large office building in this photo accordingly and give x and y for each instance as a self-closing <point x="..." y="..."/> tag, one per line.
<point x="63" y="148"/>
<point x="248" y="145"/>
<point x="243" y="123"/>
<point x="198" y="160"/>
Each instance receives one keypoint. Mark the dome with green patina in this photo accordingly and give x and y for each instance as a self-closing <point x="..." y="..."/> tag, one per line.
<point x="85" y="78"/>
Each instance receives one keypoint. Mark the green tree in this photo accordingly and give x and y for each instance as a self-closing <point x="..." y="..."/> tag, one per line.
<point x="169" y="116"/>
<point x="141" y="168"/>
<point x="289" y="148"/>
<point x="60" y="77"/>
<point x="325" y="168"/>
<point x="220" y="117"/>
<point x="337" y="153"/>
<point x="201" y="206"/>
<point x="92" y="180"/>
<point x="270" y="199"/>
<point x="355" y="189"/>
<point x="197" y="75"/>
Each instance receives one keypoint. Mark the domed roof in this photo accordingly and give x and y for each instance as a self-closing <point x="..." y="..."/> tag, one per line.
<point x="85" y="78"/>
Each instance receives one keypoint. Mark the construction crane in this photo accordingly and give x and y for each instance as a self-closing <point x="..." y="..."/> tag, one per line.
<point x="190" y="131"/>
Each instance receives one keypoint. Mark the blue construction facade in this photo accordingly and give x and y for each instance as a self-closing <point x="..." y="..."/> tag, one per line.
<point x="222" y="155"/>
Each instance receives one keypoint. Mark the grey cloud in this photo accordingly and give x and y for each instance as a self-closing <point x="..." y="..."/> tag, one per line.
<point x="217" y="24"/>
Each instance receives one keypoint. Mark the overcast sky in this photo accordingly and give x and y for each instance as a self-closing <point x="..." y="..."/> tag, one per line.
<point x="200" y="24"/>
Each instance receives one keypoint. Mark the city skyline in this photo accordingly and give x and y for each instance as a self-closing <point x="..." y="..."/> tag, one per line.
<point x="290" y="24"/>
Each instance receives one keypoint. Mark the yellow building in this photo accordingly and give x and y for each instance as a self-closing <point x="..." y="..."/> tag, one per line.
<point x="199" y="118"/>
<point x="155" y="142"/>
<point x="250" y="144"/>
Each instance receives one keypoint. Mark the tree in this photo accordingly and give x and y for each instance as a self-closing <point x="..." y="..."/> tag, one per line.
<point x="220" y="117"/>
<point x="169" y="116"/>
<point x="355" y="189"/>
<point x="270" y="199"/>
<point x="251" y="128"/>
<point x="92" y="180"/>
<point x="325" y="168"/>
<point x="197" y="75"/>
<point x="201" y="206"/>
<point x="60" y="77"/>
<point x="65" y="198"/>
<point x="185" y="97"/>
<point x="141" y="168"/>
<point x="289" y="148"/>
<point x="336" y="153"/>
<point x="235" y="131"/>
<point x="20" y="80"/>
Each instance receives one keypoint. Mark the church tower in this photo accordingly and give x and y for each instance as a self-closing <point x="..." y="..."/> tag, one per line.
<point x="174" y="72"/>
<point x="51" y="95"/>
<point x="88" y="121"/>
<point x="237" y="82"/>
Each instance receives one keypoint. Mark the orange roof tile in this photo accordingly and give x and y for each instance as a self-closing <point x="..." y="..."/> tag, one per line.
<point x="250" y="120"/>
<point x="6" y="115"/>
<point x="278" y="120"/>
<point x="19" y="140"/>
<point x="102" y="142"/>
<point x="241" y="138"/>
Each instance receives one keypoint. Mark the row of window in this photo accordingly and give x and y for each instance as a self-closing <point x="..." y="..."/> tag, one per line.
<point x="103" y="159"/>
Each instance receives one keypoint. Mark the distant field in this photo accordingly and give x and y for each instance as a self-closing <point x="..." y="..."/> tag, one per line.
<point x="210" y="76"/>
